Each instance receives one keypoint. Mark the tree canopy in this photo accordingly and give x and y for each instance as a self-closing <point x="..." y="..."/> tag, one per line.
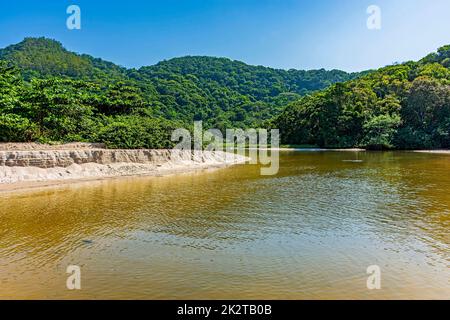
<point x="48" y="93"/>
<point x="403" y="106"/>
<point x="51" y="94"/>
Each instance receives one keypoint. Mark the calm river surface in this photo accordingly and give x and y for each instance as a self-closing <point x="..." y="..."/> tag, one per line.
<point x="308" y="233"/>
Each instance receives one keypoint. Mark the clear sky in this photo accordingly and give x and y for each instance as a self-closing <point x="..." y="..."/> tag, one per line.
<point x="301" y="34"/>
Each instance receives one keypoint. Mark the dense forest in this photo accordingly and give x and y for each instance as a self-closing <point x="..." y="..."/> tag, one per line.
<point x="403" y="106"/>
<point x="49" y="94"/>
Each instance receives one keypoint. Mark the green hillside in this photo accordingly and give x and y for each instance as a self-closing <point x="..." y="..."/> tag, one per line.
<point x="41" y="57"/>
<point x="50" y="93"/>
<point x="404" y="106"/>
<point x="230" y="92"/>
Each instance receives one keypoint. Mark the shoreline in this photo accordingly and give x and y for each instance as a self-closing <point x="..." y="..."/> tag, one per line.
<point x="307" y="149"/>
<point x="316" y="149"/>
<point x="158" y="173"/>
<point x="439" y="151"/>
<point x="164" y="163"/>
<point x="23" y="170"/>
<point x="433" y="151"/>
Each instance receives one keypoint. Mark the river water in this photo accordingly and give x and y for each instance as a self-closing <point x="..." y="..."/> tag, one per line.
<point x="309" y="232"/>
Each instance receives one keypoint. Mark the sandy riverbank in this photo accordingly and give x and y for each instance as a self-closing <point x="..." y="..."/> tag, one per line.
<point x="30" y="168"/>
<point x="309" y="149"/>
<point x="433" y="151"/>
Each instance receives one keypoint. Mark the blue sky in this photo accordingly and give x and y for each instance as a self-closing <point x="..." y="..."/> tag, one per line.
<point x="277" y="33"/>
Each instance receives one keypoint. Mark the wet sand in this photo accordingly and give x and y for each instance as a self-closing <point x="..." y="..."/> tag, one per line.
<point x="146" y="173"/>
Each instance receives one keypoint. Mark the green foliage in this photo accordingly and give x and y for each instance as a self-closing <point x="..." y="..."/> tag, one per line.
<point x="59" y="108"/>
<point x="50" y="94"/>
<point x="14" y="128"/>
<point x="405" y="106"/>
<point x="132" y="132"/>
<point x="119" y="98"/>
<point x="41" y="57"/>
<point x="10" y="86"/>
<point x="216" y="90"/>
<point x="65" y="96"/>
<point x="221" y="91"/>
<point x="380" y="131"/>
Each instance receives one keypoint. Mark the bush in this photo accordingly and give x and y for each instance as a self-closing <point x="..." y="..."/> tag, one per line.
<point x="380" y="132"/>
<point x="409" y="138"/>
<point x="14" y="128"/>
<point x="131" y="132"/>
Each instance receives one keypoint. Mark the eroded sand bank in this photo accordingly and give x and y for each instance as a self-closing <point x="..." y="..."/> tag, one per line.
<point x="31" y="167"/>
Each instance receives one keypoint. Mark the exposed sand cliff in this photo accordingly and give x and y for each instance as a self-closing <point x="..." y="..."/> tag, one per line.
<point x="13" y="146"/>
<point x="87" y="162"/>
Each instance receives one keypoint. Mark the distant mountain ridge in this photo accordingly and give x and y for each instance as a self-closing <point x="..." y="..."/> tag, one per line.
<point x="49" y="57"/>
<point x="226" y="72"/>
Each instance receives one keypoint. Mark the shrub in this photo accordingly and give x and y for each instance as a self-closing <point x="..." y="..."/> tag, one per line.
<point x="131" y="132"/>
<point x="14" y="128"/>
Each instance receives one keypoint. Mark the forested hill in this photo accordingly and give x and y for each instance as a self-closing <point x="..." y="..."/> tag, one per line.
<point x="403" y="106"/>
<point x="257" y="82"/>
<point x="48" y="93"/>
<point x="41" y="57"/>
<point x="221" y="92"/>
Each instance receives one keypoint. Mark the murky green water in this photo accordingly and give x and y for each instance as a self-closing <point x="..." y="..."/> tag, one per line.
<point x="308" y="233"/>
